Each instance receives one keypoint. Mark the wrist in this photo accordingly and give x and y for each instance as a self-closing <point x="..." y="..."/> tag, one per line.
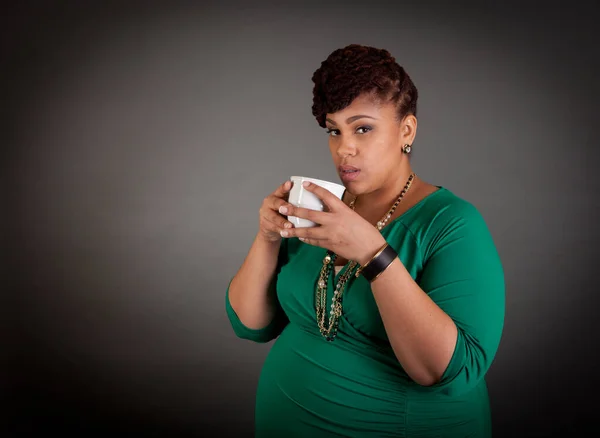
<point x="371" y="249"/>
<point x="378" y="263"/>
<point x="263" y="240"/>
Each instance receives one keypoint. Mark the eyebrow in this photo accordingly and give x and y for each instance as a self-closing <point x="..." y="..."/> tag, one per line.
<point x="352" y="119"/>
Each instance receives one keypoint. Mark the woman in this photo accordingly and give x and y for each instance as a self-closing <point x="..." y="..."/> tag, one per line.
<point x="387" y="314"/>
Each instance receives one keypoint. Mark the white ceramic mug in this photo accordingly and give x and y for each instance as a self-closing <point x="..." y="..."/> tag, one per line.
<point x="300" y="197"/>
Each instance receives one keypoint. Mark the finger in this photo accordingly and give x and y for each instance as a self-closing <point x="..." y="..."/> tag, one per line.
<point x="270" y="227"/>
<point x="318" y="233"/>
<point x="318" y="217"/>
<point x="271" y="206"/>
<point x="277" y="221"/>
<point x="283" y="189"/>
<point x="275" y="204"/>
<point x="328" y="198"/>
<point x="280" y="196"/>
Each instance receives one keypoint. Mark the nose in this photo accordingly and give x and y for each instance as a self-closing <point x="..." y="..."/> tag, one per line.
<point x="346" y="148"/>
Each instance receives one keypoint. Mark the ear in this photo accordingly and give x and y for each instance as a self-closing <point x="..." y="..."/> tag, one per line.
<point x="408" y="129"/>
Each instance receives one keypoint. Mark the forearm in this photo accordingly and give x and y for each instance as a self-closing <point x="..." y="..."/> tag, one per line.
<point x="251" y="292"/>
<point x="445" y="329"/>
<point x="422" y="336"/>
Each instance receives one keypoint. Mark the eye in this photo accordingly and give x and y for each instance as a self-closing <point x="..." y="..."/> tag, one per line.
<point x="365" y="128"/>
<point x="332" y="131"/>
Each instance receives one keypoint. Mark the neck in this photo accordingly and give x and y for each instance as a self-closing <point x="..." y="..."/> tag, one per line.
<point x="373" y="205"/>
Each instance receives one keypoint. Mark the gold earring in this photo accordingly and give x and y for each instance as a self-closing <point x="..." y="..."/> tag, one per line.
<point x="406" y="149"/>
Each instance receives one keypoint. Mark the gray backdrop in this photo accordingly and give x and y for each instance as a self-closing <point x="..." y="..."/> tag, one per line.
<point x="141" y="140"/>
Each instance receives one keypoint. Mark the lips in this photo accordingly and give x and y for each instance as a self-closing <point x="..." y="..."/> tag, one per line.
<point x="348" y="173"/>
<point x="344" y="168"/>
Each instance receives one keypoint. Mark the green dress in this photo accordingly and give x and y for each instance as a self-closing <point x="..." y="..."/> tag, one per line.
<point x="354" y="386"/>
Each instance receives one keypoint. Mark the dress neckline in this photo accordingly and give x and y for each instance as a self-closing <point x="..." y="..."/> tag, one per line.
<point x="412" y="207"/>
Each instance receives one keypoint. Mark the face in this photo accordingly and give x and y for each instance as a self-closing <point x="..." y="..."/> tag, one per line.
<point x="367" y="136"/>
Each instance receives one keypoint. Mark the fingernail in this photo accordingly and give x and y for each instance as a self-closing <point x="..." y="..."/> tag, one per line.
<point x="306" y="184"/>
<point x="282" y="210"/>
<point x="283" y="233"/>
<point x="287" y="225"/>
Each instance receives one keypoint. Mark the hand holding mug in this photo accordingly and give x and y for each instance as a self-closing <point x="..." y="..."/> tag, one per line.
<point x="340" y="229"/>
<point x="271" y="222"/>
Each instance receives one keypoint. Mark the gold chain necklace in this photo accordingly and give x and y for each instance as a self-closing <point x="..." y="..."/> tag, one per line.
<point x="329" y="331"/>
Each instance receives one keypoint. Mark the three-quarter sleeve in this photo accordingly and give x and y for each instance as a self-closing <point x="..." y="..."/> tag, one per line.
<point x="277" y="324"/>
<point x="463" y="275"/>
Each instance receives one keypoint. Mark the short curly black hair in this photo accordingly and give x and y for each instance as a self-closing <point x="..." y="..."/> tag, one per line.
<point x="356" y="69"/>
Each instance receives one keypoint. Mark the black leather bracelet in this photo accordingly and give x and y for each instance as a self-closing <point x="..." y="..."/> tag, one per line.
<point x="379" y="264"/>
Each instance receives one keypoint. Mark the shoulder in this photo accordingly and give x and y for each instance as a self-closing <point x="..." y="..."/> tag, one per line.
<point x="449" y="210"/>
<point x="444" y="217"/>
<point x="442" y="209"/>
